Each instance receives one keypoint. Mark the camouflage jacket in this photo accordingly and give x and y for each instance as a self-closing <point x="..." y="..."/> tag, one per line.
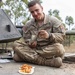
<point x="52" y="25"/>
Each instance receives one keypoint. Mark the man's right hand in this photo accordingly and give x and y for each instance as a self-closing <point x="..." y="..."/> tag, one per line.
<point x="33" y="44"/>
<point x="43" y="34"/>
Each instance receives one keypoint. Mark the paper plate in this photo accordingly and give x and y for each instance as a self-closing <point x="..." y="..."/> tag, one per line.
<point x="32" y="70"/>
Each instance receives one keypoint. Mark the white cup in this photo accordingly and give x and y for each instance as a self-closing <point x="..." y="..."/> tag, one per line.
<point x="33" y="37"/>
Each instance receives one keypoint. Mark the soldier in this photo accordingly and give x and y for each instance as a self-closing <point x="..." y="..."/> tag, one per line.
<point x="43" y="36"/>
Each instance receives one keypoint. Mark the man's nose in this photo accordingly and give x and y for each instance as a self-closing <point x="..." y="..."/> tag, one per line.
<point x="35" y="13"/>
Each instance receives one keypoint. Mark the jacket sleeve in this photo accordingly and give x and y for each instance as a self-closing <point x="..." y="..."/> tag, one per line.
<point x="58" y="31"/>
<point x="26" y="32"/>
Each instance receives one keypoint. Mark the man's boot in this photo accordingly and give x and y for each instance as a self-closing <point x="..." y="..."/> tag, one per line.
<point x="54" y="62"/>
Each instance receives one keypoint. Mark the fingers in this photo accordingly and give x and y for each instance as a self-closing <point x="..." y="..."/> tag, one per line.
<point x="43" y="34"/>
<point x="33" y="44"/>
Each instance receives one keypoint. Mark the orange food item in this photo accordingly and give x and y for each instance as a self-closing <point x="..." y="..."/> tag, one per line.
<point x="26" y="68"/>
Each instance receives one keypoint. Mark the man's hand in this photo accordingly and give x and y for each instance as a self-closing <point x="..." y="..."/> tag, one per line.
<point x="43" y="34"/>
<point x="33" y="44"/>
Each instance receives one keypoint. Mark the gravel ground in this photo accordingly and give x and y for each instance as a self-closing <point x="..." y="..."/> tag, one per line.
<point x="13" y="67"/>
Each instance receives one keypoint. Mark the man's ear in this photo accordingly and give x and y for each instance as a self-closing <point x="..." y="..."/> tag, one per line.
<point x="42" y="7"/>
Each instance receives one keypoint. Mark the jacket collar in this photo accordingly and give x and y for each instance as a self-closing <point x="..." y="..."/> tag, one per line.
<point x="46" y="20"/>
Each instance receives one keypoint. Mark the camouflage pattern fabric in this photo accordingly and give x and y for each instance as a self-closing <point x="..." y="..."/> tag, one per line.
<point x="46" y="48"/>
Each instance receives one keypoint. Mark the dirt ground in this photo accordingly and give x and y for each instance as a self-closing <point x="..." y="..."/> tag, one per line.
<point x="71" y="48"/>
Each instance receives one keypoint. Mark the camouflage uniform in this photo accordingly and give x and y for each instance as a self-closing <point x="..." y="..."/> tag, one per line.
<point x="46" y="48"/>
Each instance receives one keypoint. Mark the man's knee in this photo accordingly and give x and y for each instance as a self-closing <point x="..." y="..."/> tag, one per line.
<point x="17" y="58"/>
<point x="60" y="49"/>
<point x="15" y="44"/>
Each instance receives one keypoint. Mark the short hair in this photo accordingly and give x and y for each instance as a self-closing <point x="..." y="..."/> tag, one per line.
<point x="32" y="3"/>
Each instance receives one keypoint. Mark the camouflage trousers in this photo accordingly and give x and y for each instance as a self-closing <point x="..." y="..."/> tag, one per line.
<point x="40" y="57"/>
